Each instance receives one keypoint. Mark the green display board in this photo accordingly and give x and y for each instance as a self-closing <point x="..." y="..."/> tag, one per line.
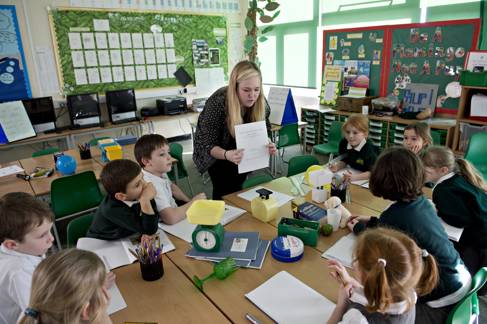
<point x="430" y="54"/>
<point x="355" y="44"/>
<point x="107" y="50"/>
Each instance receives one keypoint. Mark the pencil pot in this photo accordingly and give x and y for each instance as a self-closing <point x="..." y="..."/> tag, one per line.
<point x="152" y="271"/>
<point x="340" y="193"/>
<point x="85" y="154"/>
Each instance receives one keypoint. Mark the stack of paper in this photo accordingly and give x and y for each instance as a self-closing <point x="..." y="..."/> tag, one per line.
<point x="287" y="300"/>
<point x="342" y="250"/>
<point x="246" y="248"/>
<point x="252" y="193"/>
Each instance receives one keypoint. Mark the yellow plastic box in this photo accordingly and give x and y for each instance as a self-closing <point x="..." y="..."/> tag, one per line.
<point x="206" y="212"/>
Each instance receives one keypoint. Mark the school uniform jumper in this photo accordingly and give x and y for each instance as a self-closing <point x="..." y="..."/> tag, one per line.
<point x="115" y="219"/>
<point x="361" y="157"/>
<point x="463" y="205"/>
<point x="211" y="131"/>
<point x="15" y="282"/>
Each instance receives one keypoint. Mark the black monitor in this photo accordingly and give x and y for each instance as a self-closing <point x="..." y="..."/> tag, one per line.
<point x="121" y="105"/>
<point x="84" y="109"/>
<point x="41" y="113"/>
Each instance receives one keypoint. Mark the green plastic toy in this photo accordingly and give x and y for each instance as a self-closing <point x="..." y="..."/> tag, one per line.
<point x="221" y="270"/>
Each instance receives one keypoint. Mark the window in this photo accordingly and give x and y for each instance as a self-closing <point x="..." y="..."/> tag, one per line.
<point x="330" y="6"/>
<point x="294" y="11"/>
<point x="434" y="3"/>
<point x="267" y="57"/>
<point x="296" y="59"/>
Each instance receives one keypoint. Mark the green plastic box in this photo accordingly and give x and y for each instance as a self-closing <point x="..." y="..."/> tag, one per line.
<point x="307" y="231"/>
<point x="478" y="79"/>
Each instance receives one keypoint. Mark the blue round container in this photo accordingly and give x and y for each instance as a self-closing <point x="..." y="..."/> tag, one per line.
<point x="287" y="248"/>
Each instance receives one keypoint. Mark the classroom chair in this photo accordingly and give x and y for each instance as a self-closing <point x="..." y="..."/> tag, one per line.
<point x="436" y="136"/>
<point x="256" y="180"/>
<point x="176" y="151"/>
<point x="74" y="195"/>
<point x="77" y="228"/>
<point x="476" y="152"/>
<point x="467" y="310"/>
<point x="46" y="151"/>
<point x="334" y="138"/>
<point x="301" y="163"/>
<point x="287" y="135"/>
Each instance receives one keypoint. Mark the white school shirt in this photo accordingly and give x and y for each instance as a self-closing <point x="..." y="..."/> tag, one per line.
<point x="15" y="282"/>
<point x="163" y="198"/>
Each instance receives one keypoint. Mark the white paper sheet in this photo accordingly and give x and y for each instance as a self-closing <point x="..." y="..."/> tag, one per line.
<point x="330" y="91"/>
<point x="90" y="57"/>
<point x="103" y="58"/>
<point x="139" y="56"/>
<point x="288" y="300"/>
<point x="125" y="40"/>
<point x="169" y="39"/>
<point x="88" y="40"/>
<point x="162" y="71"/>
<point x="128" y="58"/>
<point x="113" y="40"/>
<point x="116" y="300"/>
<point x="454" y="233"/>
<point x="74" y="40"/>
<point x="15" y="121"/>
<point x="171" y="68"/>
<point x="150" y="57"/>
<point x="106" y="75"/>
<point x="252" y="138"/>
<point x="171" y="55"/>
<point x="12" y="169"/>
<point x="101" y="40"/>
<point x="78" y="59"/>
<point x="151" y="72"/>
<point x="101" y="24"/>
<point x="140" y="72"/>
<point x="93" y="75"/>
<point x="342" y="250"/>
<point x="148" y="40"/>
<point x="118" y="74"/>
<point x="116" y="57"/>
<point x="279" y="196"/>
<point x="161" y="55"/>
<point x="159" y="40"/>
<point x="80" y="76"/>
<point x="137" y="40"/>
<point x="277" y="101"/>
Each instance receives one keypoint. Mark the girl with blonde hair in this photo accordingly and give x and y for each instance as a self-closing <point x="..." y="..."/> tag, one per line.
<point x="68" y="287"/>
<point x="391" y="271"/>
<point x="242" y="101"/>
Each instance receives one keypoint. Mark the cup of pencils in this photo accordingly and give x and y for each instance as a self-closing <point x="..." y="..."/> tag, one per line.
<point x="339" y="188"/>
<point x="84" y="151"/>
<point x="150" y="259"/>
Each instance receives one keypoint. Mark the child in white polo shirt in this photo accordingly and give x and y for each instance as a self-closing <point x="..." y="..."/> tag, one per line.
<point x="25" y="236"/>
<point x="152" y="153"/>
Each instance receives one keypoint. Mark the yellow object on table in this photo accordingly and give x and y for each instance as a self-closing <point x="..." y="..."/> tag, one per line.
<point x="265" y="206"/>
<point x="206" y="212"/>
<point x="113" y="152"/>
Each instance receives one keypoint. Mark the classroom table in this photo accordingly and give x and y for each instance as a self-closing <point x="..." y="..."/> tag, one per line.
<point x="11" y="183"/>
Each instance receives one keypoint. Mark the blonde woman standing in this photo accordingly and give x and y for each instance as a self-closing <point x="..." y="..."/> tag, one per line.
<point x="242" y="101"/>
<point x="68" y="287"/>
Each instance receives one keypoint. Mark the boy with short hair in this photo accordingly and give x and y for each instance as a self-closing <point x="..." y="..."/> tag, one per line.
<point x="129" y="206"/>
<point x="152" y="153"/>
<point x="25" y="236"/>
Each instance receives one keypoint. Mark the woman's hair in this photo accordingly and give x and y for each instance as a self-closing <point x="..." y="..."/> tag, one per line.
<point x="423" y="131"/>
<point x="440" y="156"/>
<point x="358" y="121"/>
<point x="63" y="284"/>
<point x="392" y="266"/>
<point x="397" y="175"/>
<point x="242" y="71"/>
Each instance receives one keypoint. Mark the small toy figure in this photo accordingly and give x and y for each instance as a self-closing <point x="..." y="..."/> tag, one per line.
<point x="335" y="202"/>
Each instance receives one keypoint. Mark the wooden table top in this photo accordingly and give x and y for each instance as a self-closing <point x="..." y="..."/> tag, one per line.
<point x="11" y="183"/>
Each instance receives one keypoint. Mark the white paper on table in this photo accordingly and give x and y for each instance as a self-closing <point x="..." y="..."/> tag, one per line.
<point x="162" y="71"/>
<point x="454" y="233"/>
<point x="93" y="75"/>
<point x="12" y="169"/>
<point x="140" y="72"/>
<point x="74" y="40"/>
<point x="279" y="296"/>
<point x="116" y="57"/>
<point x="353" y="171"/>
<point x="209" y="79"/>
<point x="125" y="40"/>
<point x="80" y="76"/>
<point x="277" y="99"/>
<point x="148" y="40"/>
<point x="169" y="39"/>
<point x="101" y="40"/>
<point x="139" y="56"/>
<point x="137" y="40"/>
<point x="184" y="229"/>
<point x="279" y="196"/>
<point x="127" y="56"/>
<point x="90" y="57"/>
<point x="103" y="58"/>
<point x="161" y="55"/>
<point x="78" y="59"/>
<point x="88" y="40"/>
<point x="113" y="40"/>
<point x="101" y="24"/>
<point x="342" y="250"/>
<point x="151" y="72"/>
<point x="252" y="139"/>
<point x="150" y="57"/>
<point x="118" y="74"/>
<point x="159" y="40"/>
<point x="171" y="55"/>
<point x="15" y="121"/>
<point x="171" y="68"/>
<point x="116" y="300"/>
<point x="106" y="75"/>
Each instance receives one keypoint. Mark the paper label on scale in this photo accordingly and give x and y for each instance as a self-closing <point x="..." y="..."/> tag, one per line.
<point x="239" y="245"/>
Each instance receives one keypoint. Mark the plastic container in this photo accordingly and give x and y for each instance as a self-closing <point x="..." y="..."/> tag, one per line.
<point x="307" y="231"/>
<point x="469" y="78"/>
<point x="206" y="212"/>
<point x="287" y="248"/>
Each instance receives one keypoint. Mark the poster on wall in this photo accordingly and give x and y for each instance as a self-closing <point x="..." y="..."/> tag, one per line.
<point x="14" y="80"/>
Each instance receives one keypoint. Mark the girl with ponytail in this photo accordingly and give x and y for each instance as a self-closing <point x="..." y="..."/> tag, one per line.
<point x="460" y="196"/>
<point x="391" y="271"/>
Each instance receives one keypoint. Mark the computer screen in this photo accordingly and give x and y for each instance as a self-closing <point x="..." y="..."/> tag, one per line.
<point x="83" y="105"/>
<point x="121" y="101"/>
<point x="40" y="110"/>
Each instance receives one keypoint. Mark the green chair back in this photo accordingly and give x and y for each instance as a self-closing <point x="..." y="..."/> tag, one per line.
<point x="334" y="138"/>
<point x="77" y="228"/>
<point x="436" y="136"/>
<point x="468" y="307"/>
<point x="46" y="151"/>
<point x="288" y="135"/>
<point x="256" y="180"/>
<point x="476" y="152"/>
<point x="74" y="194"/>
<point x="94" y="141"/>
<point x="300" y="163"/>
<point x="176" y="151"/>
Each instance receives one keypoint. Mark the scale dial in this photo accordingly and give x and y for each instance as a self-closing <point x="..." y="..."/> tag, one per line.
<point x="206" y="240"/>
